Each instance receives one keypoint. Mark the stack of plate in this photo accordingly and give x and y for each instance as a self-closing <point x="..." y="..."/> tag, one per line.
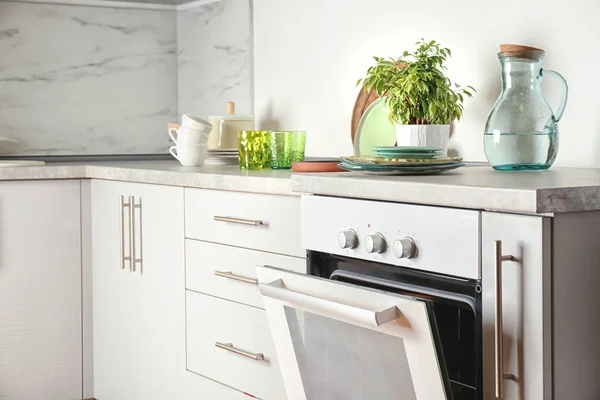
<point x="407" y="152"/>
<point x="221" y="157"/>
<point x="392" y="160"/>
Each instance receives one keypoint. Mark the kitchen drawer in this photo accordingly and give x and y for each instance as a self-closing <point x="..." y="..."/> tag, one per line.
<point x="211" y="320"/>
<point x="229" y="218"/>
<point x="205" y="260"/>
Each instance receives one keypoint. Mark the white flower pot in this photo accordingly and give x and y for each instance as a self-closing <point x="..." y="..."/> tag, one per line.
<point x="423" y="136"/>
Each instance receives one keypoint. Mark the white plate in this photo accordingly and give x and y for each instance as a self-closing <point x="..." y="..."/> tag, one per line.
<point x="221" y="161"/>
<point x="223" y="151"/>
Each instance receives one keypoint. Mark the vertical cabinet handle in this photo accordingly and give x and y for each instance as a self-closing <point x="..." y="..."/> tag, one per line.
<point x="141" y="259"/>
<point x="132" y="232"/>
<point x="122" y="226"/>
<point x="500" y="376"/>
<point x="132" y="208"/>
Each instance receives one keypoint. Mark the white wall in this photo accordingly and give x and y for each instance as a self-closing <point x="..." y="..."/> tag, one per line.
<point x="309" y="54"/>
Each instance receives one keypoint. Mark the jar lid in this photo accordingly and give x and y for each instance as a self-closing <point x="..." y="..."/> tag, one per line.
<point x="231" y="115"/>
<point x="520" y="51"/>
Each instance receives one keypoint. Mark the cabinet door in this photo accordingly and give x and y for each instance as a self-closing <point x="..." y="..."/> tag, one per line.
<point x="159" y="232"/>
<point x="525" y="308"/>
<point x="115" y="292"/>
<point x="40" y="290"/>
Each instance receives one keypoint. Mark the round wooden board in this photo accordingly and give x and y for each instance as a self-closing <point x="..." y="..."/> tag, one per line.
<point x="363" y="101"/>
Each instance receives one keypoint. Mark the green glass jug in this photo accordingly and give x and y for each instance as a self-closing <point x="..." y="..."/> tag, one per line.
<point x="521" y="132"/>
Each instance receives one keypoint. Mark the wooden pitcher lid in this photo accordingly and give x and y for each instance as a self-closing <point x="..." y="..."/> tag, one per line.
<point x="518" y="50"/>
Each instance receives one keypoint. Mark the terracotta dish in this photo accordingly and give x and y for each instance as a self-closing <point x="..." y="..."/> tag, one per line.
<point x="316" y="166"/>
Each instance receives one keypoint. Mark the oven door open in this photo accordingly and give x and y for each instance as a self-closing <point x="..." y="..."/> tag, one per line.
<point x="336" y="340"/>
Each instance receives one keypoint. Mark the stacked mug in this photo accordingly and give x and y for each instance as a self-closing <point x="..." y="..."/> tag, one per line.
<point x="190" y="139"/>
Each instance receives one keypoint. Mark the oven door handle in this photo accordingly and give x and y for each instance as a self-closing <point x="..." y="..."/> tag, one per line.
<point x="277" y="290"/>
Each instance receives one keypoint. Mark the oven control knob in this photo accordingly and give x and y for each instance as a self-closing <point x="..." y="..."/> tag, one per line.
<point x="375" y="243"/>
<point x="347" y="239"/>
<point x="405" y="248"/>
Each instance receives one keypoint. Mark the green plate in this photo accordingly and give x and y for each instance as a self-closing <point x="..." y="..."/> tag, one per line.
<point x="374" y="129"/>
<point x="399" y="162"/>
<point x="408" y="156"/>
<point x="394" y="170"/>
<point x="407" y="149"/>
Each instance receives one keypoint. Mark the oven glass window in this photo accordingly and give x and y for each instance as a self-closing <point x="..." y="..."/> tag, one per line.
<point x="457" y="324"/>
<point x="339" y="361"/>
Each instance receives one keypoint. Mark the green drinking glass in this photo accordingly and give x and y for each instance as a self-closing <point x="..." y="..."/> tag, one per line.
<point x="254" y="149"/>
<point x="287" y="147"/>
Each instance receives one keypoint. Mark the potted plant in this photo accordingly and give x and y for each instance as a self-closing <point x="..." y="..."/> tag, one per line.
<point x="423" y="102"/>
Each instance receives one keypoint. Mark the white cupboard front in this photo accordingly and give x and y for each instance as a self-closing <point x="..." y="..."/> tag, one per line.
<point x="231" y="343"/>
<point x="40" y="290"/>
<point x="138" y="291"/>
<point x="524" y="292"/>
<point x="230" y="272"/>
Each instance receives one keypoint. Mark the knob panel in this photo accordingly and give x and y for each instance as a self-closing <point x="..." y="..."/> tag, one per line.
<point x="405" y="248"/>
<point x="375" y="243"/>
<point x="347" y="239"/>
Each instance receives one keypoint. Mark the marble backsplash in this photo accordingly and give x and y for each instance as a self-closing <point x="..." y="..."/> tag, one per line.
<point x="78" y="80"/>
<point x="214" y="58"/>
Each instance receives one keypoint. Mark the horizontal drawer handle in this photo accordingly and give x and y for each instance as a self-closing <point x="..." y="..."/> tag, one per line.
<point x="231" y="275"/>
<point x="231" y="348"/>
<point x="238" y="221"/>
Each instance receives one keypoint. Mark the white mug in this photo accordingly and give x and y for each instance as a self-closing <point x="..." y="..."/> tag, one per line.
<point x="188" y="136"/>
<point x="190" y="121"/>
<point x="189" y="155"/>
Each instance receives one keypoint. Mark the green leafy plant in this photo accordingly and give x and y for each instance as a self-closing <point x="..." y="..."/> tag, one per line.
<point x="415" y="87"/>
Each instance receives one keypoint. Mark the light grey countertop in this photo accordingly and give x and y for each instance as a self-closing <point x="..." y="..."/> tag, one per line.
<point x="536" y="192"/>
<point x="161" y="172"/>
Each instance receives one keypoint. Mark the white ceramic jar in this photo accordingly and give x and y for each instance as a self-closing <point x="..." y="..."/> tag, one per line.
<point x="224" y="134"/>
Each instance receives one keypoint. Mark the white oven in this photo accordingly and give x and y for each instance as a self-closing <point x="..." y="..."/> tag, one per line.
<point x="390" y="307"/>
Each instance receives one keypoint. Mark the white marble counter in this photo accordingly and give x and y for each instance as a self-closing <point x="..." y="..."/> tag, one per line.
<point x="162" y="173"/>
<point x="536" y="192"/>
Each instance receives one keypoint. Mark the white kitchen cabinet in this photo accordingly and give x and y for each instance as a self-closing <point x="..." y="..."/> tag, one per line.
<point x="230" y="272"/>
<point x="231" y="343"/>
<point x="40" y="290"/>
<point x="139" y="307"/>
<point x="526" y="304"/>
<point x="250" y="220"/>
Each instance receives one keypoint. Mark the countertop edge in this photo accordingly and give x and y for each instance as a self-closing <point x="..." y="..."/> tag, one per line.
<point x="191" y="179"/>
<point x="199" y="180"/>
<point x="568" y="199"/>
<point x="469" y="197"/>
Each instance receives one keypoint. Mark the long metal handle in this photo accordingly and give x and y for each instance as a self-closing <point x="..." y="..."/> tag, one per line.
<point x="238" y="221"/>
<point x="498" y="337"/>
<point x="310" y="303"/>
<point x="141" y="259"/>
<point x="132" y="208"/>
<point x="232" y="276"/>
<point x="132" y="232"/>
<point x="231" y="348"/>
<point x="122" y="225"/>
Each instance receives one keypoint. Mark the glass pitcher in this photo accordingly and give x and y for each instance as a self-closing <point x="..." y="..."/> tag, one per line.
<point x="521" y="132"/>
